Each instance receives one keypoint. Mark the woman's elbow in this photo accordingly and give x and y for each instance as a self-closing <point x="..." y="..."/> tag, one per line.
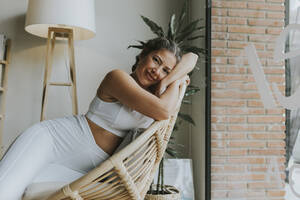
<point x="192" y="56"/>
<point x="163" y="115"/>
<point x="191" y="59"/>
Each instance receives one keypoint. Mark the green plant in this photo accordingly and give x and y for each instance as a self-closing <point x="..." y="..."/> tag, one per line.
<point x="182" y="35"/>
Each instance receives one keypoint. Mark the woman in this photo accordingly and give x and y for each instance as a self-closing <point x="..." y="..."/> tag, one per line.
<point x="123" y="102"/>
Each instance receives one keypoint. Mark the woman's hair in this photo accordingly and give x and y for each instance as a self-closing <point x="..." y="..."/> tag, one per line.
<point x="157" y="44"/>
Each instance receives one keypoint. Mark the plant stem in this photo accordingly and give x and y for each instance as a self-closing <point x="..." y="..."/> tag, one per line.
<point x="162" y="176"/>
<point x="158" y="179"/>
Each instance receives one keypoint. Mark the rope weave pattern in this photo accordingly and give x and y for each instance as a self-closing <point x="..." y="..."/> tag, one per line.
<point x="73" y="194"/>
<point x="159" y="144"/>
<point x="126" y="179"/>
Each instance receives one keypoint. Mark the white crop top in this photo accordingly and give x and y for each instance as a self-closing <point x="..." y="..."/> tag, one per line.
<point x="115" y="117"/>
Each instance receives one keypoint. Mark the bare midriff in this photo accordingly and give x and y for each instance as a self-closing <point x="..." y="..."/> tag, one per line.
<point x="106" y="140"/>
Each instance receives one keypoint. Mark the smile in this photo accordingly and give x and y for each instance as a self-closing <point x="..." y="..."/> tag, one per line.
<point x="149" y="77"/>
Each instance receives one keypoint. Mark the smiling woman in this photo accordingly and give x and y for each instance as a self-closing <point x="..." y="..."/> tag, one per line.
<point x="154" y="67"/>
<point x="154" y="64"/>
<point x="123" y="102"/>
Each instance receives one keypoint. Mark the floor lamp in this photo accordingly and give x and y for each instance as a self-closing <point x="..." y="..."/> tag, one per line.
<point x="60" y="20"/>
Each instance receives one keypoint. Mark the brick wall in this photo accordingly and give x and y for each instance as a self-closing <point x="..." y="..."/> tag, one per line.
<point x="247" y="140"/>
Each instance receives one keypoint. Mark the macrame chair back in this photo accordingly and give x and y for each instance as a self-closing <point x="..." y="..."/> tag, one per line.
<point x="128" y="173"/>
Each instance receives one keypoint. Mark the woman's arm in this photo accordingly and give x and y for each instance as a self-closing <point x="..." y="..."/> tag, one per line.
<point x="121" y="86"/>
<point x="186" y="65"/>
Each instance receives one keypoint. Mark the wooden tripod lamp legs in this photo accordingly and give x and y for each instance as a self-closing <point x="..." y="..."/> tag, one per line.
<point x="54" y="33"/>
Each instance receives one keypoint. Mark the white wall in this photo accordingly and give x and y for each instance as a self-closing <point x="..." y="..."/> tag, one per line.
<point x="118" y="25"/>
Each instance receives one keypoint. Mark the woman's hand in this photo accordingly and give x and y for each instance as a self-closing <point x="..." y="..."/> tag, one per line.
<point x="161" y="87"/>
<point x="187" y="64"/>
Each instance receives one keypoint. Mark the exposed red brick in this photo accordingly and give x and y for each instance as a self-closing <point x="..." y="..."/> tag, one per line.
<point x="275" y="15"/>
<point x="218" y="12"/>
<point x="229" y="4"/>
<point x="246" y="13"/>
<point x="265" y="6"/>
<point x="251" y="30"/>
<point x="246" y="137"/>
<point x="265" y="22"/>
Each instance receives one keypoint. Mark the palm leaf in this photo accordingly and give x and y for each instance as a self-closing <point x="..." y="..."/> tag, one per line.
<point x="175" y="144"/>
<point x="195" y="37"/>
<point x="171" y="149"/>
<point x="187" y="102"/>
<point x="191" y="92"/>
<point x="171" y="31"/>
<point x="192" y="87"/>
<point x="187" y="118"/>
<point x="175" y="128"/>
<point x="194" y="49"/>
<point x="182" y="16"/>
<point x="171" y="142"/>
<point x="142" y="42"/>
<point x="188" y="30"/>
<point x="183" y="36"/>
<point x="135" y="46"/>
<point x="191" y="26"/>
<point x="171" y="153"/>
<point x="154" y="27"/>
<point x="200" y="28"/>
<point x="179" y="145"/>
<point x="172" y="138"/>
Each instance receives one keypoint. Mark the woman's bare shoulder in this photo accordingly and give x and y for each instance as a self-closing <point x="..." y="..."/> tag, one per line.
<point x="116" y="73"/>
<point x="115" y="76"/>
<point x="120" y="86"/>
<point x="112" y="79"/>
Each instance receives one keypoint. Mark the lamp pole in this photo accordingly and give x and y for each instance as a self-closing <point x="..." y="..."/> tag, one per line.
<point x="65" y="33"/>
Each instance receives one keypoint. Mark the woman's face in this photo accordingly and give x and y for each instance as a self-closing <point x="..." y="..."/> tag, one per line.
<point x="155" y="66"/>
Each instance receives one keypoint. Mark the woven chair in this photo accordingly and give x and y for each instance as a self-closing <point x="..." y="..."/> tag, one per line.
<point x="128" y="173"/>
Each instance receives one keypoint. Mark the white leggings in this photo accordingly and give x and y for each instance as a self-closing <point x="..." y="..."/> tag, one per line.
<point x="66" y="141"/>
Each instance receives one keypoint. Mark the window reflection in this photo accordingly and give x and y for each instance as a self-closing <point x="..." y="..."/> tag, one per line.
<point x="293" y="116"/>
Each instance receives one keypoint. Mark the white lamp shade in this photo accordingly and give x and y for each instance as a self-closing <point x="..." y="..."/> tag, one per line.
<point x="76" y="14"/>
